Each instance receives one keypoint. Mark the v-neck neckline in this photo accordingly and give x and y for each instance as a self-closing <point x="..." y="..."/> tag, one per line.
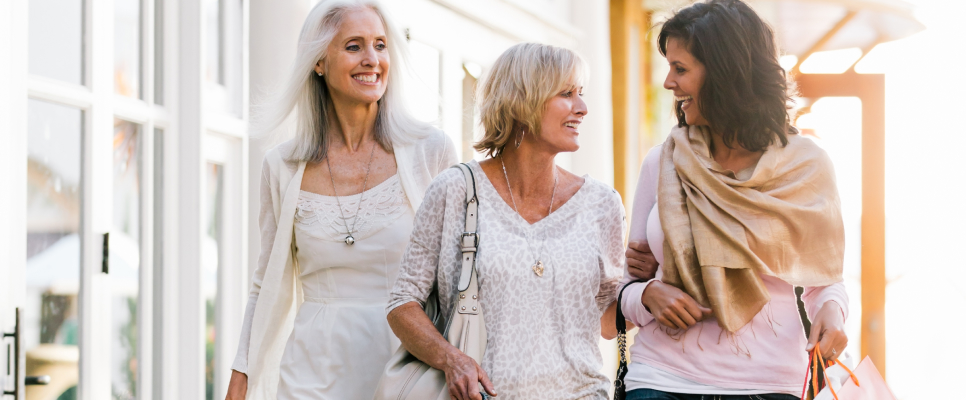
<point x="508" y="209"/>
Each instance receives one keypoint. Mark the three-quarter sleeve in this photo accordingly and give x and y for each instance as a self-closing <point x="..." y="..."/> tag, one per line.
<point x="613" y="226"/>
<point x="268" y="226"/>
<point x="419" y="264"/>
<point x="815" y="297"/>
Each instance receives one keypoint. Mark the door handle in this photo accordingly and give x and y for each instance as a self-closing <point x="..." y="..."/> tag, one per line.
<point x="36" y="380"/>
<point x="105" y="252"/>
<point x="14" y="358"/>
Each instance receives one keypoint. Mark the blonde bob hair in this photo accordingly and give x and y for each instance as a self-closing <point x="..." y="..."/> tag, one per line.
<point x="514" y="94"/>
<point x="307" y="93"/>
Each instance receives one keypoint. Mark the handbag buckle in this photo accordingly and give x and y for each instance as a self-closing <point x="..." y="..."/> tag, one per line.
<point x="476" y="240"/>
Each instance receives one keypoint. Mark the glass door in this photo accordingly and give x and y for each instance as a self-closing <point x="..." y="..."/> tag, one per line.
<point x="50" y="317"/>
<point x="91" y="166"/>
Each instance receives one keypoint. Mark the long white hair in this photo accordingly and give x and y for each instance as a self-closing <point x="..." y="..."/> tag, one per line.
<point x="309" y="96"/>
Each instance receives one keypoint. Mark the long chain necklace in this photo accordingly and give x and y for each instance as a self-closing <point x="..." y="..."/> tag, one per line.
<point x="349" y="240"/>
<point x="537" y="266"/>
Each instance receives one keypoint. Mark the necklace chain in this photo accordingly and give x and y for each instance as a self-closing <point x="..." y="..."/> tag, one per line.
<point x="349" y="239"/>
<point x="552" y="194"/>
<point x="538" y="266"/>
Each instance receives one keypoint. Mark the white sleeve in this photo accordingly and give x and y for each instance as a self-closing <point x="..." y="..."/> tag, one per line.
<point x="420" y="262"/>
<point x="268" y="226"/>
<point x="612" y="252"/>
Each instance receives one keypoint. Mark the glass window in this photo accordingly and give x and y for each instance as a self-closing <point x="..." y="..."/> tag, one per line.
<point x="158" y="261"/>
<point x="54" y="188"/>
<point x="127" y="48"/>
<point x="159" y="51"/>
<point x="56" y="39"/>
<point x="211" y="266"/>
<point x="223" y="36"/>
<point x="214" y="41"/>
<point x="124" y="259"/>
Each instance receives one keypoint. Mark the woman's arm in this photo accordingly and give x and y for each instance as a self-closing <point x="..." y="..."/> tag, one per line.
<point x="418" y="273"/>
<point x="827" y="308"/>
<point x="641" y="263"/>
<point x="238" y="385"/>
<point x="420" y="337"/>
<point x="611" y="264"/>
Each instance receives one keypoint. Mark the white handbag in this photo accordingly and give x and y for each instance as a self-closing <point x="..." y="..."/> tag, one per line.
<point x="408" y="378"/>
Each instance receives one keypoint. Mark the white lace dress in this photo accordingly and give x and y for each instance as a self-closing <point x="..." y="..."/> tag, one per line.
<point x="341" y="340"/>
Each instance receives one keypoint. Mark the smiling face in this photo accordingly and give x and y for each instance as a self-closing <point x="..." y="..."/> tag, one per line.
<point x="356" y="66"/>
<point x="563" y="114"/>
<point x="685" y="79"/>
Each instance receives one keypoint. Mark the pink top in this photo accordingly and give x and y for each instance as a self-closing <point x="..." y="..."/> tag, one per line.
<point x="768" y="354"/>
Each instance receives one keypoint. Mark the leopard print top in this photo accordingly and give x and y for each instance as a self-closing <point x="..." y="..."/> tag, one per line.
<point x="542" y="332"/>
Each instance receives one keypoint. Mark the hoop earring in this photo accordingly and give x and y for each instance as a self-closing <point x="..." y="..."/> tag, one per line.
<point x="520" y="139"/>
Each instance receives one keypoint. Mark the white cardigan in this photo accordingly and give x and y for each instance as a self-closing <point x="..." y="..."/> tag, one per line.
<point x="275" y="294"/>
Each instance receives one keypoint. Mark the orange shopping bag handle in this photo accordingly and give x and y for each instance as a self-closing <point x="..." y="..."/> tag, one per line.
<point x="816" y="356"/>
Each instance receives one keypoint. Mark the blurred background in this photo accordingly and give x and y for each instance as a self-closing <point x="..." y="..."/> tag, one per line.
<point x="131" y="181"/>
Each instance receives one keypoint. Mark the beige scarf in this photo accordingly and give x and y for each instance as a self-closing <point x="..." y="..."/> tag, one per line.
<point x="720" y="232"/>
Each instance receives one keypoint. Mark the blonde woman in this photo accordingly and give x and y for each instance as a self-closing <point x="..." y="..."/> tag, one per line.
<point x="337" y="207"/>
<point x="551" y="243"/>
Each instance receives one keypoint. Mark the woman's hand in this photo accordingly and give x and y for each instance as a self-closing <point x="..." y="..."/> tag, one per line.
<point x="420" y="337"/>
<point x="464" y="376"/>
<point x="828" y="330"/>
<point x="237" y="386"/>
<point x="672" y="307"/>
<point x="641" y="263"/>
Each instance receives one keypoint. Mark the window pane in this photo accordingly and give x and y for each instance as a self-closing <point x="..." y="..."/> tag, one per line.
<point x="54" y="187"/>
<point x="158" y="261"/>
<point x="125" y="259"/>
<point x="211" y="267"/>
<point x="159" y="51"/>
<point x="127" y="48"/>
<point x="56" y="39"/>
<point x="214" y="41"/>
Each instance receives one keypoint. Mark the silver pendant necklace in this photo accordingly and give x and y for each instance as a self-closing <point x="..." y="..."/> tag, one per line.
<point x="538" y="266"/>
<point x="349" y="240"/>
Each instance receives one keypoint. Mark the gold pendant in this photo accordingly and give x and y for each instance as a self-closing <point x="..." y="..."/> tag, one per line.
<point x="538" y="268"/>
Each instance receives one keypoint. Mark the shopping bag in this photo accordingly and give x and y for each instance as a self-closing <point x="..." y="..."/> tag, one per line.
<point x="836" y="375"/>
<point x="862" y="383"/>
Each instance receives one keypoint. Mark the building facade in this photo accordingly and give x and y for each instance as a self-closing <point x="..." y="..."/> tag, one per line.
<point x="130" y="179"/>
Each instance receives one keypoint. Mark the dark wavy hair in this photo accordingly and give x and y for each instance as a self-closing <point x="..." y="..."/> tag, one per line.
<point x="745" y="95"/>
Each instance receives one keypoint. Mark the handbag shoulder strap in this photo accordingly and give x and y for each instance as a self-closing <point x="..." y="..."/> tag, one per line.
<point x="470" y="239"/>
<point x="619" y="387"/>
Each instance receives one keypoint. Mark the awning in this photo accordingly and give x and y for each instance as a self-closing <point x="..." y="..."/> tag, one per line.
<point x="806" y="26"/>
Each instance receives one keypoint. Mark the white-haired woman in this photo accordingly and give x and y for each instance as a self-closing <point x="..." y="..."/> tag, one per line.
<point x="551" y="248"/>
<point x="337" y="207"/>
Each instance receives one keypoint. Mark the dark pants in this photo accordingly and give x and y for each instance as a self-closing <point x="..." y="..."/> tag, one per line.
<point x="649" y="394"/>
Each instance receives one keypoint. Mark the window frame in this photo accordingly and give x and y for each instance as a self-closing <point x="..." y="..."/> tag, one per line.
<point x="161" y="325"/>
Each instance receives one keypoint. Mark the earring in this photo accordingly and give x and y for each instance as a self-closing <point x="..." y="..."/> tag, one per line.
<point x="319" y="73"/>
<point x="520" y="139"/>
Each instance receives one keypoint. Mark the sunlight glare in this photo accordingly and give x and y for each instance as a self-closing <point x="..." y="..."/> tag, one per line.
<point x="831" y="62"/>
<point x="788" y="61"/>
